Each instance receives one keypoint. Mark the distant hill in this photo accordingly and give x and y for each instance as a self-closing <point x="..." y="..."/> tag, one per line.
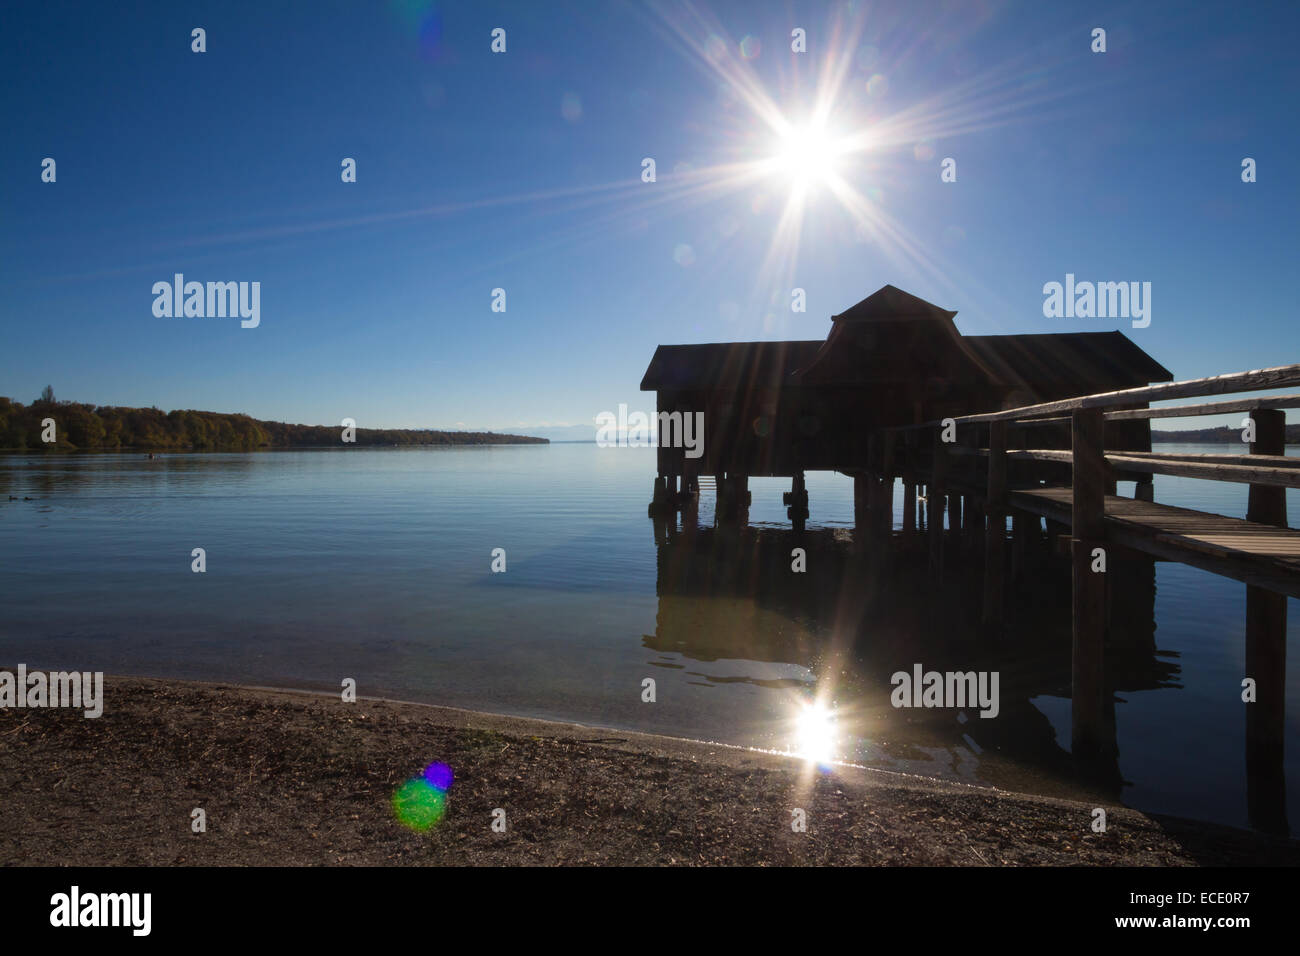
<point x="1221" y="434"/>
<point x="79" y="426"/>
<point x="584" y="433"/>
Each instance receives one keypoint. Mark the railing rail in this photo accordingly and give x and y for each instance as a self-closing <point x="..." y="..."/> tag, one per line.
<point x="1282" y="376"/>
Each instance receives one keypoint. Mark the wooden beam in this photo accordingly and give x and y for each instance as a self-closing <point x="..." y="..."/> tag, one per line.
<point x="1250" y="459"/>
<point x="1210" y="408"/>
<point x="1285" y="476"/>
<point x="1281" y="376"/>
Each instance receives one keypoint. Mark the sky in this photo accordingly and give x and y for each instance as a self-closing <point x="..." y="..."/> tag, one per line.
<point x="523" y="171"/>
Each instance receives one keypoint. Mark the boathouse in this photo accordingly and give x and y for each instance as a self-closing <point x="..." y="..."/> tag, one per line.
<point x="783" y="408"/>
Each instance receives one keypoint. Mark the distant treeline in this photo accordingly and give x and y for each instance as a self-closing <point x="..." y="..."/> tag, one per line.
<point x="80" y="426"/>
<point x="1223" y="433"/>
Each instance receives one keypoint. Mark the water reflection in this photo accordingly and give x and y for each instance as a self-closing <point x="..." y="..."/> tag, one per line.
<point x="851" y="620"/>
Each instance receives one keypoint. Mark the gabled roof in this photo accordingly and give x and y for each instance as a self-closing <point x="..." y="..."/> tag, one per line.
<point x="889" y="303"/>
<point x="892" y="335"/>
<point x="1068" y="363"/>
<point x="727" y="365"/>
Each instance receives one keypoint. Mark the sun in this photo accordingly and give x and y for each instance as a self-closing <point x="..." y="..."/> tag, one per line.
<point x="807" y="155"/>
<point x="815" y="735"/>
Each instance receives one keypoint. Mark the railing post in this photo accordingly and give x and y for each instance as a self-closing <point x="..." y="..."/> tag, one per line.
<point x="1267" y="504"/>
<point x="1088" y="531"/>
<point x="995" y="536"/>
<point x="1266" y="652"/>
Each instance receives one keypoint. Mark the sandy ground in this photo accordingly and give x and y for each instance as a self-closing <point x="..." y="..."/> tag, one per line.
<point x="298" y="779"/>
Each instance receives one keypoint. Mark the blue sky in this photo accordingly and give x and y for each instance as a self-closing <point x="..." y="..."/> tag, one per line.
<point x="522" y="171"/>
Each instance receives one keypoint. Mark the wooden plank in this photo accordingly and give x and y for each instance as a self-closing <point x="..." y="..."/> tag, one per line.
<point x="1281" y="475"/>
<point x="1281" y="376"/>
<point x="1253" y="553"/>
<point x="1209" y="408"/>
<point x="1249" y="459"/>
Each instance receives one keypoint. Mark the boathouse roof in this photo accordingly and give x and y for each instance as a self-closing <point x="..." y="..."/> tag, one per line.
<point x="1069" y="363"/>
<point x="892" y="335"/>
<point x="728" y="365"/>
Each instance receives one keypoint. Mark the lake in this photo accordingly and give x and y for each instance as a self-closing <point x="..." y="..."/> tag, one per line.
<point x="375" y="564"/>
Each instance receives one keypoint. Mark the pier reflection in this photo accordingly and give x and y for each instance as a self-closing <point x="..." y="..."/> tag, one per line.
<point x="853" y="619"/>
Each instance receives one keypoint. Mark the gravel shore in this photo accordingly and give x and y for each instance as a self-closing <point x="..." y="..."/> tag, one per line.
<point x="304" y="779"/>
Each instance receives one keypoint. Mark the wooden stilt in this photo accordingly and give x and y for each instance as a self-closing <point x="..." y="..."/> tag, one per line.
<point x="797" y="500"/>
<point x="909" y="509"/>
<point x="1019" y="539"/>
<point x="861" y="509"/>
<point x="995" y="538"/>
<point x="1087" y="679"/>
<point x="1266" y="652"/>
<point x="935" y="495"/>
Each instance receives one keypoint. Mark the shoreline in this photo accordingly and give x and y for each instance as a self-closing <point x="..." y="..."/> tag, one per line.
<point x="297" y="777"/>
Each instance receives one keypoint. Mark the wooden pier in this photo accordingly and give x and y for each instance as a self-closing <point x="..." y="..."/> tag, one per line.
<point x="1096" y="524"/>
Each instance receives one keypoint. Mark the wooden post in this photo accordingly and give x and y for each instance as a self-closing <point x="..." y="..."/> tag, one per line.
<point x="1019" y="530"/>
<point x="1088" y="531"/>
<point x="1266" y="652"/>
<point x="935" y="496"/>
<point x="954" y="518"/>
<point x="861" y="510"/>
<point x="885" y="499"/>
<point x="797" y="499"/>
<point x="1267" y="504"/>
<point x="995" y="538"/>
<point x="975" y="522"/>
<point x="909" y="508"/>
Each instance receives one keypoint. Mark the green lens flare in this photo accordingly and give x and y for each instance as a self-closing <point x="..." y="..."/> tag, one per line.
<point x="418" y="805"/>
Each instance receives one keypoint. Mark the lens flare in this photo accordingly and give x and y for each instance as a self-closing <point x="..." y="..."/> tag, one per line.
<point x="421" y="802"/>
<point x="815" y="737"/>
<point x="419" y="806"/>
<point x="438" y="776"/>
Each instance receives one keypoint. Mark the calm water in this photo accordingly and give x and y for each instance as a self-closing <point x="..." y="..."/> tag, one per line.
<point x="375" y="564"/>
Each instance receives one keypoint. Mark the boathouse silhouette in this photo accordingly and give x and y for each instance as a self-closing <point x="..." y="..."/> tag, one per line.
<point x="1031" y="430"/>
<point x="779" y="409"/>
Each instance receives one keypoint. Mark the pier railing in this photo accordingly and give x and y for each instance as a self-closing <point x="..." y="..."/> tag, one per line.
<point x="1260" y="550"/>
